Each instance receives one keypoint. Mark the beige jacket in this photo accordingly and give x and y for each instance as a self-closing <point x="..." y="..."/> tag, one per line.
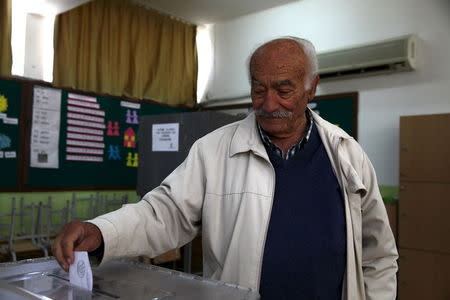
<point x="225" y="188"/>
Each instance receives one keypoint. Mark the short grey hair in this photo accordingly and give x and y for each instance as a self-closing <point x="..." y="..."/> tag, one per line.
<point x="307" y="48"/>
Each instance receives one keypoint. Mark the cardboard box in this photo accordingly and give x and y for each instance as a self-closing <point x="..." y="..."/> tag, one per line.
<point x="423" y="275"/>
<point x="425" y="148"/>
<point x="424" y="221"/>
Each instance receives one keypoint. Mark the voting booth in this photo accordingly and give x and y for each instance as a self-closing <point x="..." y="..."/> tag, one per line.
<point x="165" y="141"/>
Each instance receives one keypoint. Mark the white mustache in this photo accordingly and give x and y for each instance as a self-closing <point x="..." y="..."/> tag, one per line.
<point x="275" y="114"/>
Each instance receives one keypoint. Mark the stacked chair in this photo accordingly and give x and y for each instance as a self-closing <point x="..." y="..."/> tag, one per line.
<point x="31" y="227"/>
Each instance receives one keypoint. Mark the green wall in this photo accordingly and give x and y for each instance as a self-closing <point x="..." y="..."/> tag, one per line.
<point x="59" y="200"/>
<point x="389" y="194"/>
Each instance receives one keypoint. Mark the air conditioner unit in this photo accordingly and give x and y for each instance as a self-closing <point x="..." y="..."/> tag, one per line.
<point x="383" y="57"/>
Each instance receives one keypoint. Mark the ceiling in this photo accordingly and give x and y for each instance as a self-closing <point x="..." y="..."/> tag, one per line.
<point x="211" y="11"/>
<point x="193" y="11"/>
<point x="44" y="7"/>
<point x="64" y="5"/>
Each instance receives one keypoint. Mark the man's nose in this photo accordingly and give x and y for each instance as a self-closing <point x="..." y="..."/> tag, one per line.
<point x="270" y="102"/>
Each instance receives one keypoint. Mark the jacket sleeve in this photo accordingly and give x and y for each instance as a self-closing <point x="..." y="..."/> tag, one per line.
<point x="166" y="218"/>
<point x="379" y="252"/>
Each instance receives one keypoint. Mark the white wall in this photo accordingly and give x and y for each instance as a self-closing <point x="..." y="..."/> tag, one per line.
<point x="34" y="37"/>
<point x="331" y="24"/>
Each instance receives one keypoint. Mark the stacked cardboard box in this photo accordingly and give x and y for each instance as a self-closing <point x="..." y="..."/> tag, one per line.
<point x="424" y="207"/>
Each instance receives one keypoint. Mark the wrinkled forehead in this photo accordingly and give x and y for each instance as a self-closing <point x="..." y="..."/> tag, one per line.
<point x="278" y="58"/>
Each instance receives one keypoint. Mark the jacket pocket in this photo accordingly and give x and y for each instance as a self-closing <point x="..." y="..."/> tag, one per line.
<point x="233" y="229"/>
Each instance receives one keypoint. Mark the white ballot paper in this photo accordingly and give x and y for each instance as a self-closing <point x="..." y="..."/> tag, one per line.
<point x="80" y="273"/>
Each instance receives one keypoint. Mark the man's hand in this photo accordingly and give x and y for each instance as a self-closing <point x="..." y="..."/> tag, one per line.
<point x="75" y="236"/>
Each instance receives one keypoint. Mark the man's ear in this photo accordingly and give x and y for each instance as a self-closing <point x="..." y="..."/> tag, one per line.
<point x="312" y="90"/>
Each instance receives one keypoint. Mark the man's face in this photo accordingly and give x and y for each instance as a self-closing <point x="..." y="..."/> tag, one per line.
<point x="278" y="79"/>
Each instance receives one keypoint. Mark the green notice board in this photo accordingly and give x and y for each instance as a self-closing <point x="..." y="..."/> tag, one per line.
<point x="10" y="101"/>
<point x="339" y="109"/>
<point x="97" y="143"/>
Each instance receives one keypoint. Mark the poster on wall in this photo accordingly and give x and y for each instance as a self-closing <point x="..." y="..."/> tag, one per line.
<point x="6" y="146"/>
<point x="45" y="128"/>
<point x="85" y="129"/>
<point x="165" y="137"/>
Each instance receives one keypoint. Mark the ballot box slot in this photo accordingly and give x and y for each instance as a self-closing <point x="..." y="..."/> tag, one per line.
<point x="95" y="289"/>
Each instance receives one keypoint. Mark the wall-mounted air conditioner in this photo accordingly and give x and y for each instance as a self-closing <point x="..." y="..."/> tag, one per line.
<point x="383" y="57"/>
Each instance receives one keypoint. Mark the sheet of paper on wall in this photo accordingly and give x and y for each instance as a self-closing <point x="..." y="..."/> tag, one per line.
<point x="11" y="121"/>
<point x="130" y="104"/>
<point x="165" y="137"/>
<point x="10" y="154"/>
<point x="45" y="128"/>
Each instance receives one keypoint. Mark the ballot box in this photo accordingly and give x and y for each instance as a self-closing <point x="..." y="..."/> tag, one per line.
<point x="118" y="279"/>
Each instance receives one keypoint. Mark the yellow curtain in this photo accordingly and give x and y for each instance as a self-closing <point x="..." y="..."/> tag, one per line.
<point x="5" y="38"/>
<point x="120" y="48"/>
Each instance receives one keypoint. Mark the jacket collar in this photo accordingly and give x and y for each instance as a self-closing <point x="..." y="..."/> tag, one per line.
<point x="246" y="137"/>
<point x="331" y="137"/>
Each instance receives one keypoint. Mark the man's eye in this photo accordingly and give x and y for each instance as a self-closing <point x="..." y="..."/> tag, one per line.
<point x="284" y="92"/>
<point x="259" y="91"/>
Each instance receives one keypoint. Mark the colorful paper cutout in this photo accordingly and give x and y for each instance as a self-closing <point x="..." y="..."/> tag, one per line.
<point x="129" y="138"/>
<point x="112" y="130"/>
<point x="5" y="141"/>
<point x="82" y="97"/>
<point x="113" y="152"/>
<point x="85" y="124"/>
<point x="132" y="160"/>
<point x="85" y="144"/>
<point x="85" y="130"/>
<point x="86" y="158"/>
<point x="83" y="104"/>
<point x="79" y="150"/>
<point x="84" y="137"/>
<point x="89" y="111"/>
<point x="85" y="117"/>
<point x="3" y="103"/>
<point x="132" y="117"/>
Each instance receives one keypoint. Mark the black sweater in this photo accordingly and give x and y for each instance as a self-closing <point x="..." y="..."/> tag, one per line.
<point x="305" y="250"/>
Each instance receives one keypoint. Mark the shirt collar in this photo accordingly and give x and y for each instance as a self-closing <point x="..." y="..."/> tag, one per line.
<point x="296" y="147"/>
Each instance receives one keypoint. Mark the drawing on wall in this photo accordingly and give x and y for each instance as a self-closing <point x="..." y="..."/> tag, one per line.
<point x="113" y="152"/>
<point x="112" y="128"/>
<point x="129" y="138"/>
<point x="132" y="160"/>
<point x="132" y="117"/>
<point x="5" y="141"/>
<point x="3" y="103"/>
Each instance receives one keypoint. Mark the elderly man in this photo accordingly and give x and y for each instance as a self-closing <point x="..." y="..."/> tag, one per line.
<point x="288" y="204"/>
